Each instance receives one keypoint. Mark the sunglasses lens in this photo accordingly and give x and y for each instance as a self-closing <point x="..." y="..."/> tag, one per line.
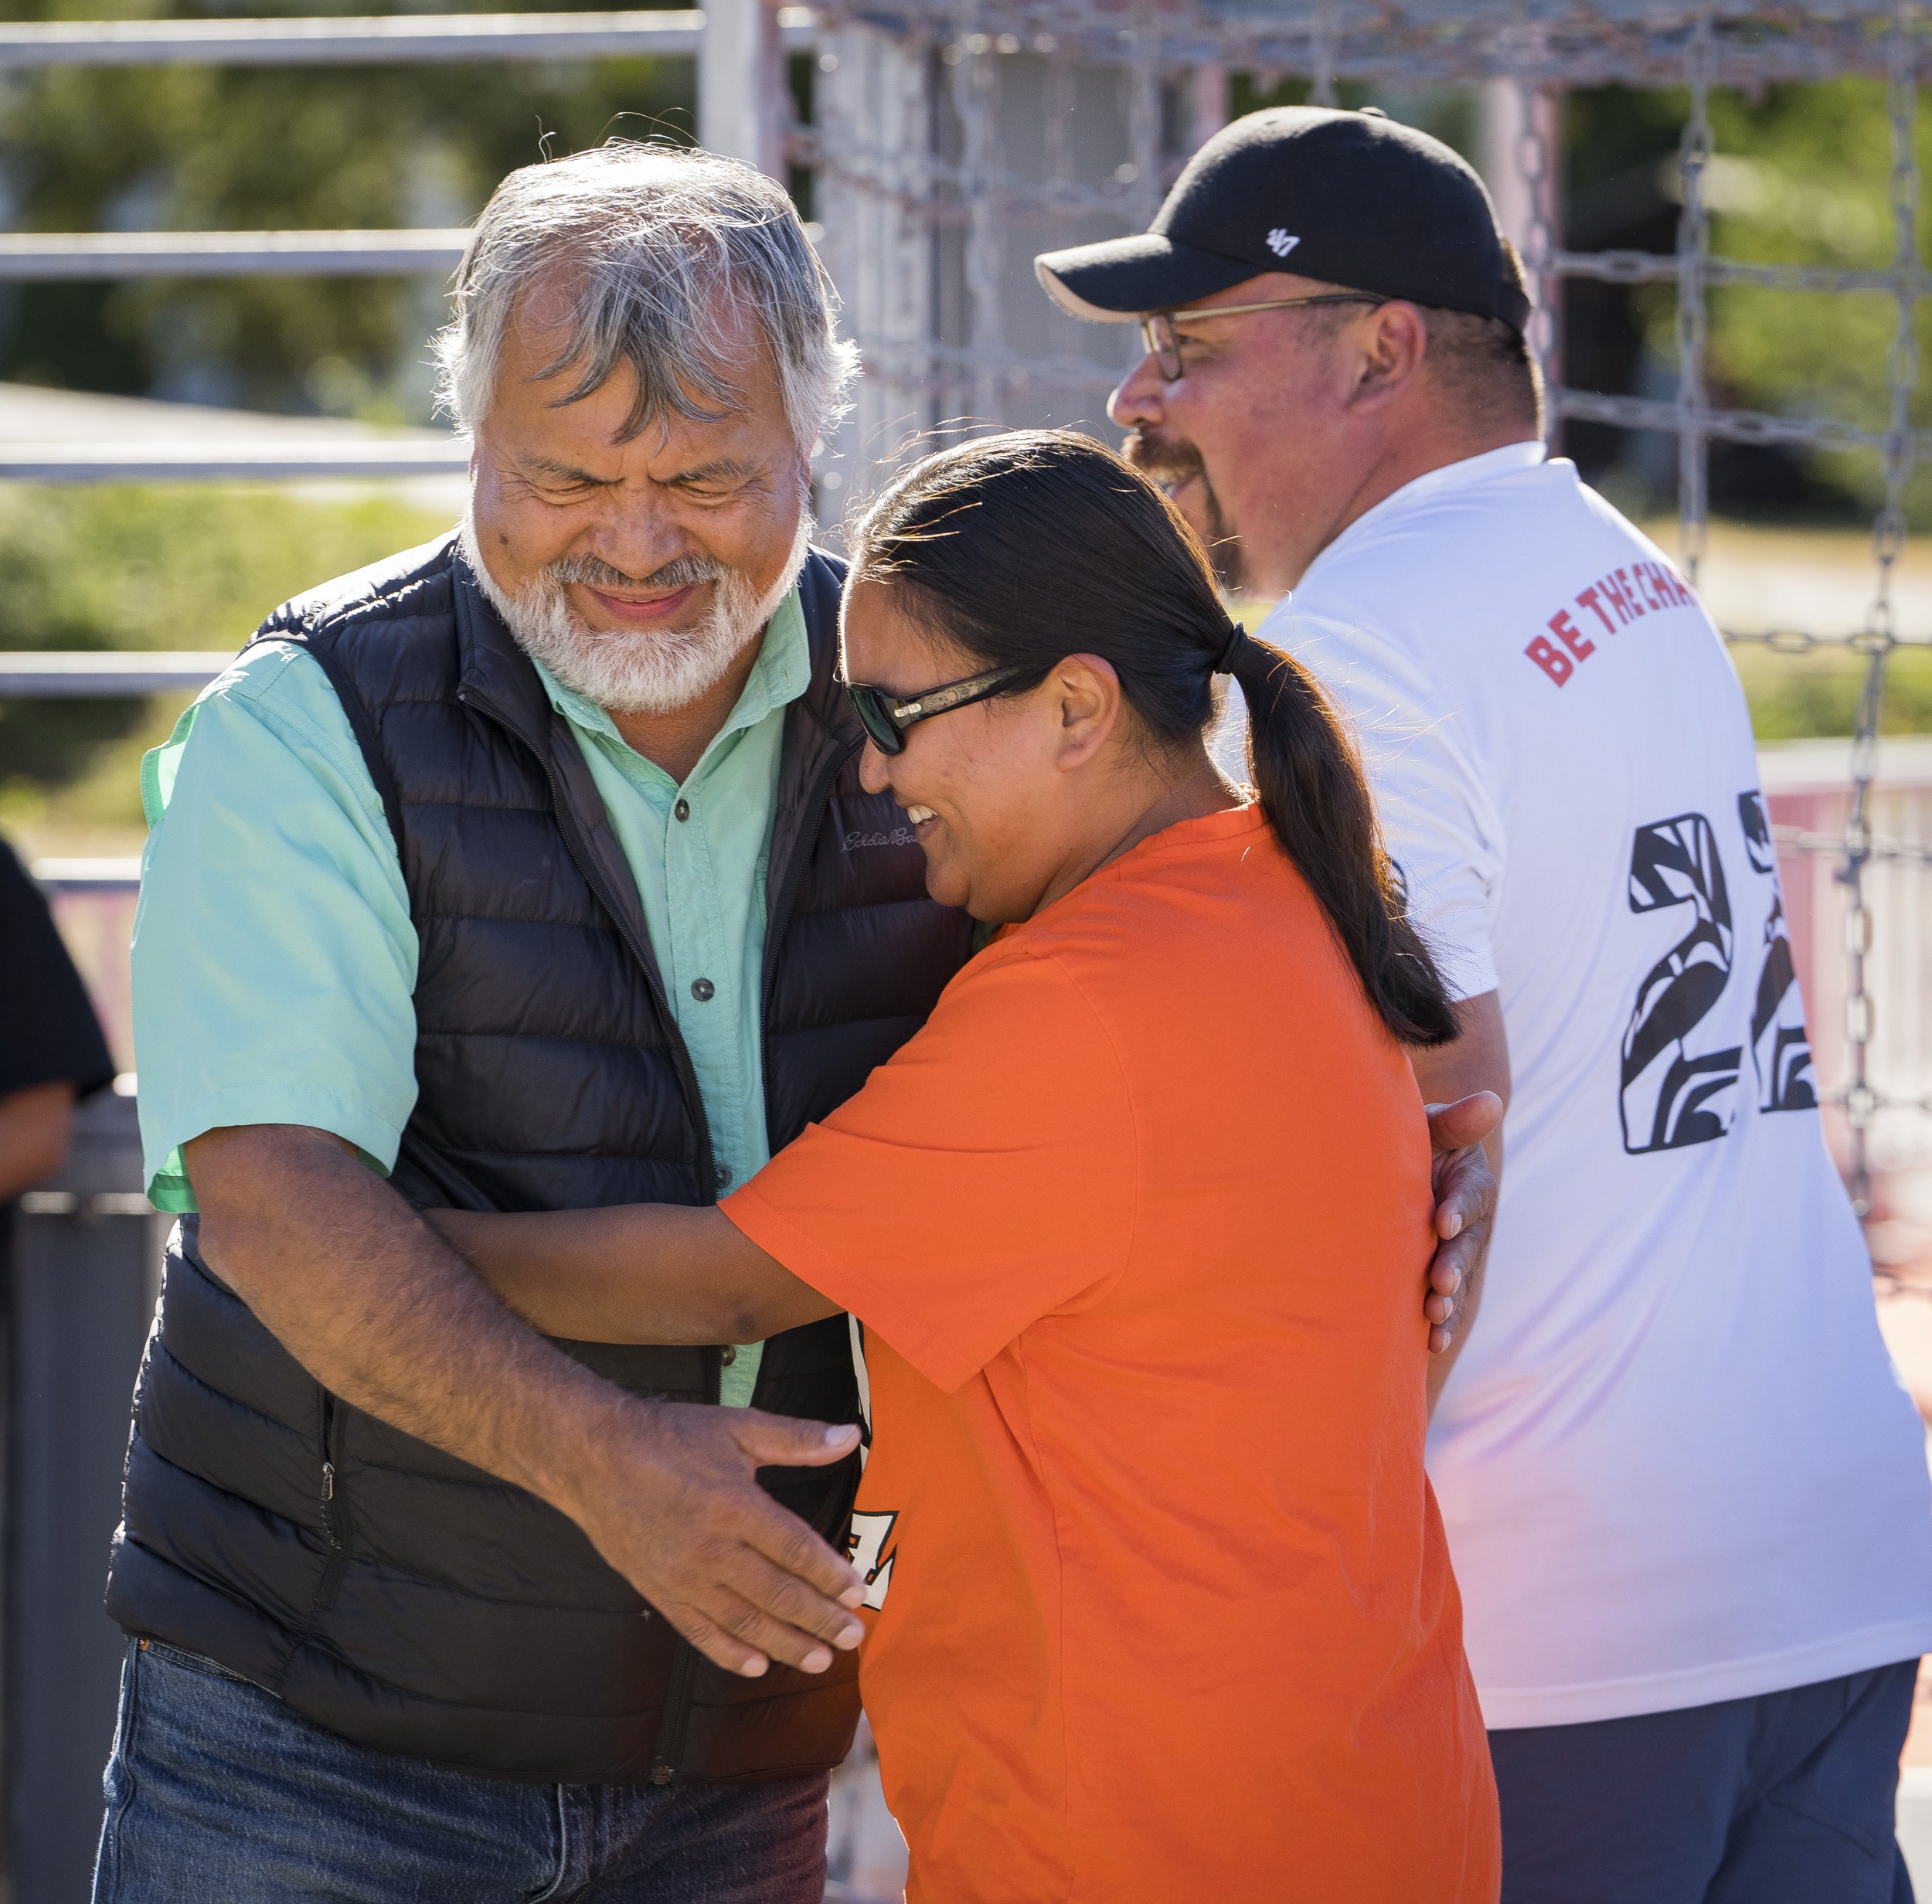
<point x="870" y="705"/>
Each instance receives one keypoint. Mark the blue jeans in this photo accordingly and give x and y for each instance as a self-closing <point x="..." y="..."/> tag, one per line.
<point x="1787" y="1798"/>
<point x="217" y="1791"/>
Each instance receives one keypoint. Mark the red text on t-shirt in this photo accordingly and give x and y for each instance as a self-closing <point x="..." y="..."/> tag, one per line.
<point x="1613" y="601"/>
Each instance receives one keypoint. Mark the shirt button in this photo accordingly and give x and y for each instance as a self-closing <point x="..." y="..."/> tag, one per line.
<point x="703" y="990"/>
<point x="726" y="1356"/>
<point x="681" y="811"/>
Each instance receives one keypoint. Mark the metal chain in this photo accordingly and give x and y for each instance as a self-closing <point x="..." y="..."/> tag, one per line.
<point x="1701" y="43"/>
<point x="1879" y="636"/>
<point x="1693" y="314"/>
<point x="1424" y="42"/>
<point x="976" y="100"/>
<point x="1143" y="79"/>
<point x="1536" y="167"/>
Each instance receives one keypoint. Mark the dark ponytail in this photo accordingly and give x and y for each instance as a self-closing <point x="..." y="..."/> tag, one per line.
<point x="1316" y="798"/>
<point x="1023" y="549"/>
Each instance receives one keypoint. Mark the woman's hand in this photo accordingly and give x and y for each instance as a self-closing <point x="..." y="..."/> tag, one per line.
<point x="1465" y="1188"/>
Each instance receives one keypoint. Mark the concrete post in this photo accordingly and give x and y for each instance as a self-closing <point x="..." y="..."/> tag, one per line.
<point x="1207" y="99"/>
<point x="1521" y="159"/>
<point x="741" y="83"/>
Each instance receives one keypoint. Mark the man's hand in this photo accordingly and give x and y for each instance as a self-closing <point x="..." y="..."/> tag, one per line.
<point x="669" y="1501"/>
<point x="382" y="1312"/>
<point x="1465" y="1188"/>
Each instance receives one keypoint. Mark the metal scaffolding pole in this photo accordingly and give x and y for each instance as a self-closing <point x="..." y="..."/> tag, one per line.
<point x="48" y="256"/>
<point x="381" y="39"/>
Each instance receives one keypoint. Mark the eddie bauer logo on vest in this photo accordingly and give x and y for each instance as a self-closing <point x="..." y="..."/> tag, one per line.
<point x="899" y="836"/>
<point x="864" y="1544"/>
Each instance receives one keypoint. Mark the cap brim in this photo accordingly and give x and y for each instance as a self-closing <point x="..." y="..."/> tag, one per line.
<point x="1116" y="281"/>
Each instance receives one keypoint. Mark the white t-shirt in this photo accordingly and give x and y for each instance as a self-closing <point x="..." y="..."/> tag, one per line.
<point x="1675" y="1462"/>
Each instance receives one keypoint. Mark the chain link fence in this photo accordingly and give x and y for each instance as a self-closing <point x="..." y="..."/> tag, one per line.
<point x="947" y="152"/>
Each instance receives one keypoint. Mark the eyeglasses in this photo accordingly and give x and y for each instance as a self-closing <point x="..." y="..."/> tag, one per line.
<point x="1163" y="341"/>
<point x="885" y="719"/>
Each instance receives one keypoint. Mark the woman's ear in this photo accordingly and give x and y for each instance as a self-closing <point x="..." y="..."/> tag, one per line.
<point x="1085" y="695"/>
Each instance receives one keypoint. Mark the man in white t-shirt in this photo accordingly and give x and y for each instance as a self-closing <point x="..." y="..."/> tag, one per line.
<point x="1686" y="1493"/>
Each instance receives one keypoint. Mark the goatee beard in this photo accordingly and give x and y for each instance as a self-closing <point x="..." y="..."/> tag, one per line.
<point x="641" y="671"/>
<point x="1173" y="462"/>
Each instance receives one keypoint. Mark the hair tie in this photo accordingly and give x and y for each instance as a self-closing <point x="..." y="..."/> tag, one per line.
<point x="1237" y="636"/>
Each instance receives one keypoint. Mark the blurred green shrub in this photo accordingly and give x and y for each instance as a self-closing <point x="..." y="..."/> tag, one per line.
<point x="1802" y="697"/>
<point x="161" y="567"/>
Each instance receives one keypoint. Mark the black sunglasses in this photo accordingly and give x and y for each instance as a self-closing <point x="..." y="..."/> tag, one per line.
<point x="885" y="718"/>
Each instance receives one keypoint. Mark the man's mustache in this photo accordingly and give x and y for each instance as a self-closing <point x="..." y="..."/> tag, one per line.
<point x="1169" y="460"/>
<point x="1173" y="462"/>
<point x="593" y="572"/>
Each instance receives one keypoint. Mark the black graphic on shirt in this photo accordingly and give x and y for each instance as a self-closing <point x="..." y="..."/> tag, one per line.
<point x="1671" y="1095"/>
<point x="1780" y="1049"/>
<point x="865" y="1547"/>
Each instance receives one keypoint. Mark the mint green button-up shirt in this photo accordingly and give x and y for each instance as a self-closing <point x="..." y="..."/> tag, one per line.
<point x="274" y="960"/>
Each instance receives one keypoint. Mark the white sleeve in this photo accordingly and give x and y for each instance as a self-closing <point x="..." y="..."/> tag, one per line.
<point x="1439" y="820"/>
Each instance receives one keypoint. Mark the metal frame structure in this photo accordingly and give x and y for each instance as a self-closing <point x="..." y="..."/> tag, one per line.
<point x="740" y="45"/>
<point x="943" y="159"/>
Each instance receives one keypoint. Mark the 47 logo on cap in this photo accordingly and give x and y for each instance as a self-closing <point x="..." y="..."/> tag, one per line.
<point x="1281" y="241"/>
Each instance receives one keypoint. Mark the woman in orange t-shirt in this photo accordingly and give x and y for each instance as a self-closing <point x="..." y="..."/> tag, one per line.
<point x="1157" y="1603"/>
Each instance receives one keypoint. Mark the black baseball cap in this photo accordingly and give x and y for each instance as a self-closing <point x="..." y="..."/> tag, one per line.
<point x="1350" y="198"/>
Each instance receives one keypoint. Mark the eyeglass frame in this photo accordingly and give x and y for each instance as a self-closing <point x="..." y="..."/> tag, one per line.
<point x="1149" y="335"/>
<point x="885" y="718"/>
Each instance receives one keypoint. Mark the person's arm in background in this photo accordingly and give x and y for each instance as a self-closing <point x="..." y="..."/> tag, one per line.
<point x="274" y="968"/>
<point x="51" y="1052"/>
<point x="1478" y="1061"/>
<point x="35" y="1126"/>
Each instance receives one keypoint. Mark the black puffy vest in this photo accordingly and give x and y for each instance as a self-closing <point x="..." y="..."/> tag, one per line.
<point x="387" y="1591"/>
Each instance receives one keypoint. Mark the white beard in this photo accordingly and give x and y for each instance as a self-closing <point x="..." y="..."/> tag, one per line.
<point x="642" y="671"/>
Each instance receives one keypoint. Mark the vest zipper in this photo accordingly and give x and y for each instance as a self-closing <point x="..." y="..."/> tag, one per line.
<point x="573" y="844"/>
<point x="674" y="1728"/>
<point x="676" y="1722"/>
<point x="334" y="1509"/>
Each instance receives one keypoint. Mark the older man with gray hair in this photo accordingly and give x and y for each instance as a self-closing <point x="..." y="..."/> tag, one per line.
<point x="527" y="870"/>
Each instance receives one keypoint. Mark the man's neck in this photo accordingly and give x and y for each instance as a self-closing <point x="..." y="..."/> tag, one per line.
<point x="676" y="741"/>
<point x="1402" y="456"/>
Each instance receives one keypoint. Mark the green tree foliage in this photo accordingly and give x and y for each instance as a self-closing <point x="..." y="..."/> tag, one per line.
<point x="180" y="567"/>
<point x="1802" y="176"/>
<point x="208" y="147"/>
<point x="1799" y="174"/>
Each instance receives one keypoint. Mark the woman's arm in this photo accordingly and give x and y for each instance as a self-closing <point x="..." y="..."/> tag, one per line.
<point x="634" y="1273"/>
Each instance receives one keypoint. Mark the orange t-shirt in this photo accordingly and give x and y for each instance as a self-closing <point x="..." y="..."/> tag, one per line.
<point x="1137" y="1228"/>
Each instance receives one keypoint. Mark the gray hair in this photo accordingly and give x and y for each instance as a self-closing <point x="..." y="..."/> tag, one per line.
<point x="651" y="243"/>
